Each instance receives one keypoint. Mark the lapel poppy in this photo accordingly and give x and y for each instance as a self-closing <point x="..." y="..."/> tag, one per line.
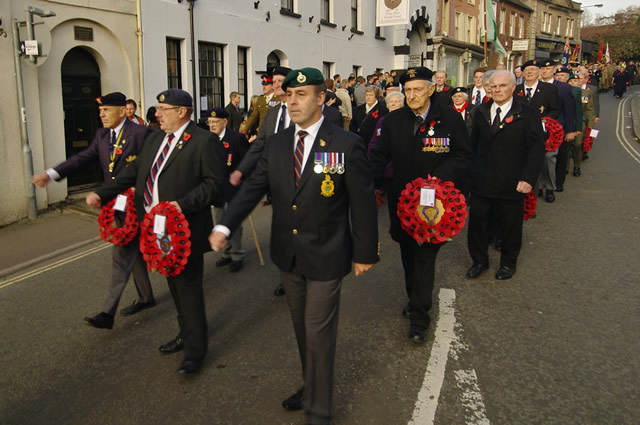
<point x="186" y="137"/>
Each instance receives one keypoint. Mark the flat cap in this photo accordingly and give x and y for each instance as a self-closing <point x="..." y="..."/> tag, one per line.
<point x="417" y="73"/>
<point x="216" y="113"/>
<point x="303" y="77"/>
<point x="112" y="99"/>
<point x="530" y="62"/>
<point x="175" y="97"/>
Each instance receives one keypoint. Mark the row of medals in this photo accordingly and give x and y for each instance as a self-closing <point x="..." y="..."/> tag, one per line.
<point x="328" y="163"/>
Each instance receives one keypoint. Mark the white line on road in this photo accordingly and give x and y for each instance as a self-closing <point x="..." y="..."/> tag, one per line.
<point x="622" y="139"/>
<point x="52" y="266"/>
<point x="425" y="409"/>
<point x="475" y="412"/>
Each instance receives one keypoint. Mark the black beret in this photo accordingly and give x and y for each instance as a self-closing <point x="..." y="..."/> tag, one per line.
<point x="175" y="97"/>
<point x="303" y="77"/>
<point x="112" y="99"/>
<point x="459" y="90"/>
<point x="545" y="62"/>
<point x="281" y="70"/>
<point x="393" y="84"/>
<point x="564" y="69"/>
<point x="216" y="113"/>
<point x="417" y="73"/>
<point x="530" y="62"/>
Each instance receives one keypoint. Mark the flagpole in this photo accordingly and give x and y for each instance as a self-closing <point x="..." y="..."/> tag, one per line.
<point x="486" y="59"/>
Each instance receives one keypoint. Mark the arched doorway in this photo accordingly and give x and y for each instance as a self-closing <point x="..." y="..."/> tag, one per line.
<point x="80" y="88"/>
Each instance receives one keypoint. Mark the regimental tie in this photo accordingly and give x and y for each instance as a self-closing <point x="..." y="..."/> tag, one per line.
<point x="153" y="173"/>
<point x="298" y="155"/>
<point x="114" y="140"/>
<point x="478" y="98"/>
<point x="281" y="121"/>
<point x="529" y="93"/>
<point x="496" y="120"/>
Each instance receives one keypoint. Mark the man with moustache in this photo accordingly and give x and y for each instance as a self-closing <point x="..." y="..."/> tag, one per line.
<point x="115" y="147"/>
<point x="324" y="217"/>
<point x="181" y="165"/>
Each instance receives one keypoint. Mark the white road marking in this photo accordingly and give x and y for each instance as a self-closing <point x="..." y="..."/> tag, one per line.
<point x="425" y="409"/>
<point x="622" y="139"/>
<point x="51" y="266"/>
<point x="475" y="412"/>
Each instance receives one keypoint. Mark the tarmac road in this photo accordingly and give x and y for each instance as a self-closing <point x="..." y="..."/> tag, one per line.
<point x="557" y="344"/>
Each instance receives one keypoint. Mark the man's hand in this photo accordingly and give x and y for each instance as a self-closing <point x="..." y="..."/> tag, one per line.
<point x="177" y="205"/>
<point x="330" y="102"/>
<point x="597" y="119"/>
<point x="252" y="138"/>
<point x="235" y="178"/>
<point x="41" y="179"/>
<point x="571" y="136"/>
<point x="218" y="241"/>
<point x="360" y="269"/>
<point x="524" y="187"/>
<point x="93" y="200"/>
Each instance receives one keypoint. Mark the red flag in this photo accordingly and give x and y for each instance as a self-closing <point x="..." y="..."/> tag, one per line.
<point x="601" y="52"/>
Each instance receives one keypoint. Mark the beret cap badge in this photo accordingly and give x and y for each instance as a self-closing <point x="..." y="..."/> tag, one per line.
<point x="161" y="98"/>
<point x="301" y="77"/>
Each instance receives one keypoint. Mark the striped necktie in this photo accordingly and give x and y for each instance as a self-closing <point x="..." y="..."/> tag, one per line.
<point x="298" y="155"/>
<point x="153" y="173"/>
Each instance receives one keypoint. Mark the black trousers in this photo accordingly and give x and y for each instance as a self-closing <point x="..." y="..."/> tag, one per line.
<point x="561" y="163"/>
<point x="188" y="296"/>
<point x="419" y="263"/>
<point x="509" y="215"/>
<point x="314" y="307"/>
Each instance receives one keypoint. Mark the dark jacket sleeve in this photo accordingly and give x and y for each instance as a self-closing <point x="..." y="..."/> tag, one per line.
<point x="535" y="148"/>
<point x="454" y="167"/>
<point x="81" y="159"/>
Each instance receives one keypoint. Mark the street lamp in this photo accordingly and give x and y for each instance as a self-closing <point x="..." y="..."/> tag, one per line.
<point x="593" y="5"/>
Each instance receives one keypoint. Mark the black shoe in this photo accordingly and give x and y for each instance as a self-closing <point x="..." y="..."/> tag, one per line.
<point x="476" y="270"/>
<point x="136" y="307"/>
<point x="406" y="311"/>
<point x="549" y="196"/>
<point x="172" y="346"/>
<point x="417" y="334"/>
<point x="100" y="320"/>
<point x="505" y="272"/>
<point x="189" y="366"/>
<point x="279" y="291"/>
<point x="576" y="172"/>
<point x="498" y="244"/>
<point x="585" y="156"/>
<point x="224" y="261"/>
<point x="236" y="266"/>
<point x="559" y="188"/>
<point x="294" y="402"/>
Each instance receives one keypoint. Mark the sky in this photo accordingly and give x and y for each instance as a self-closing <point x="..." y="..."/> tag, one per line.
<point x="609" y="7"/>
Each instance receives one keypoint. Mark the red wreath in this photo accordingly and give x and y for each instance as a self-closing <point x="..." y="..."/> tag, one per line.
<point x="530" y="203"/>
<point x="436" y="224"/>
<point x="556" y="134"/>
<point x="168" y="254"/>
<point x="109" y="231"/>
<point x="587" y="143"/>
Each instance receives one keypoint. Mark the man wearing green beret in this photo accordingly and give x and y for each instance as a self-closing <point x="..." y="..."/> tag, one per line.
<point x="324" y="218"/>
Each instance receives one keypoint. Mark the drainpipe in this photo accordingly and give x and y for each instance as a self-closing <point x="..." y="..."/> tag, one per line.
<point x="143" y="111"/>
<point x="196" y="99"/>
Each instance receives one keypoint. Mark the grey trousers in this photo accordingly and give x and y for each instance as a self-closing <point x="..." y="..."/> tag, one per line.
<point x="127" y="259"/>
<point x="314" y="307"/>
<point x="547" y="178"/>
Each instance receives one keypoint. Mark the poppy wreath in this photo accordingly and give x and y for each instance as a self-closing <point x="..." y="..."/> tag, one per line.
<point x="530" y="203"/>
<point x="109" y="231"/>
<point x="168" y="254"/>
<point x="436" y="224"/>
<point x="587" y="143"/>
<point x="556" y="134"/>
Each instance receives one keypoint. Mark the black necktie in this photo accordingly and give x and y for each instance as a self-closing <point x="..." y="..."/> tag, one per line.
<point x="529" y="93"/>
<point x="281" y="121"/>
<point x="496" y="120"/>
<point x="478" y="97"/>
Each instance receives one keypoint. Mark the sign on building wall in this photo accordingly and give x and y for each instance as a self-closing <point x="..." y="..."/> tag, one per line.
<point x="392" y="12"/>
<point x="520" y="45"/>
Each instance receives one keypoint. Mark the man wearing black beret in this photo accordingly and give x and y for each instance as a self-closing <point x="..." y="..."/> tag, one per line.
<point x="115" y="147"/>
<point x="181" y="165"/>
<point x="324" y="218"/>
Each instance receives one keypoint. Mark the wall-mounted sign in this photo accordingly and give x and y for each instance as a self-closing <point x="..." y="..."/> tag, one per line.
<point x="83" y="33"/>
<point x="392" y="12"/>
<point x="520" y="45"/>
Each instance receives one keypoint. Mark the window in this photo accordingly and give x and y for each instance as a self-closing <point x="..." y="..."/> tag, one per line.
<point x="327" y="70"/>
<point x="242" y="77"/>
<point x="287" y="5"/>
<point x="445" y="16"/>
<point x="546" y="22"/>
<point x="174" y="67"/>
<point x="458" y="26"/>
<point x="503" y="17"/>
<point x="355" y="15"/>
<point x="357" y="70"/>
<point x="210" y="59"/>
<point x="569" y="31"/>
<point x="558" y="24"/>
<point x="512" y="23"/>
<point x="326" y="12"/>
<point x="380" y="33"/>
<point x="521" y="27"/>
<point x="470" y="30"/>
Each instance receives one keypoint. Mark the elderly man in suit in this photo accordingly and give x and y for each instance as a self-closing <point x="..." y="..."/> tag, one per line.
<point x="324" y="217"/>
<point x="115" y="147"/>
<point x="185" y="161"/>
<point x="508" y="145"/>
<point x="403" y="141"/>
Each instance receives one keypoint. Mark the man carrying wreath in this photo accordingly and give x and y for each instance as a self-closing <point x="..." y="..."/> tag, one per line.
<point x="420" y="139"/>
<point x="181" y="165"/>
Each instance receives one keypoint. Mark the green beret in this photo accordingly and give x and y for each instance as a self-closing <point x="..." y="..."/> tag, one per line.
<point x="303" y="77"/>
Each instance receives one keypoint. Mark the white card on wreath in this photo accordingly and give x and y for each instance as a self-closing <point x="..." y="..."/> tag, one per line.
<point x="158" y="224"/>
<point x="427" y="197"/>
<point x="121" y="203"/>
<point x="594" y="133"/>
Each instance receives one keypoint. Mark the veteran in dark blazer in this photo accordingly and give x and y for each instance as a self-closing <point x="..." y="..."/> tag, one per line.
<point x="366" y="116"/>
<point x="324" y="224"/>
<point x="115" y="147"/>
<point x="508" y="145"/>
<point x="187" y="160"/>
<point x="405" y="140"/>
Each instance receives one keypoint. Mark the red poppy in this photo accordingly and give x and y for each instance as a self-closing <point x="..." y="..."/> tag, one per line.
<point x="445" y="88"/>
<point x="432" y="123"/>
<point x="226" y="145"/>
<point x="186" y="137"/>
<point x="423" y="128"/>
<point x="375" y="114"/>
<point x="509" y="119"/>
<point x="119" y="151"/>
<point x="520" y="93"/>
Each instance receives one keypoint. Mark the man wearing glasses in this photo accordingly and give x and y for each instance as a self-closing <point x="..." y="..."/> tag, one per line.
<point x="185" y="160"/>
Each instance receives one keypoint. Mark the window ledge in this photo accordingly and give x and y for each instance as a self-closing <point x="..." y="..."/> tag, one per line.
<point x="355" y="31"/>
<point x="327" y="23"/>
<point x="287" y="12"/>
<point x="379" y="37"/>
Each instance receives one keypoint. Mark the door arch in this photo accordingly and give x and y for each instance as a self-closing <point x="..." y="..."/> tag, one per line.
<point x="80" y="87"/>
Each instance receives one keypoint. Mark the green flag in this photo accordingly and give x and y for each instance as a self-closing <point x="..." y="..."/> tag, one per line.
<point x="492" y="29"/>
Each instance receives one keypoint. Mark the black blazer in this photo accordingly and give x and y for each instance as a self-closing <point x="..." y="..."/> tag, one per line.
<point x="192" y="176"/>
<point x="234" y="148"/>
<point x="401" y="142"/>
<point x="567" y="116"/>
<point x="323" y="235"/>
<point x="235" y="117"/>
<point x="545" y="99"/>
<point x="364" y="124"/>
<point x="514" y="153"/>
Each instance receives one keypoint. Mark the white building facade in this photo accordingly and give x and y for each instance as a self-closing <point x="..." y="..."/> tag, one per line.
<point x="141" y="47"/>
